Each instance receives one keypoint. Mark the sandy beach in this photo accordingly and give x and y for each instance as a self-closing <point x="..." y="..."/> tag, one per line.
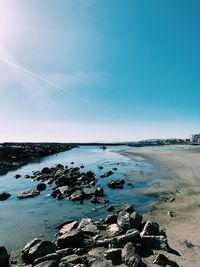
<point x="178" y="209"/>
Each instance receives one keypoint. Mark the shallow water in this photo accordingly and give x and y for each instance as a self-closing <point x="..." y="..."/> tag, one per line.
<point x="22" y="220"/>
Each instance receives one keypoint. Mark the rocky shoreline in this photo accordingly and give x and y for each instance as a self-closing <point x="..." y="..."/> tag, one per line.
<point x="14" y="155"/>
<point x="122" y="238"/>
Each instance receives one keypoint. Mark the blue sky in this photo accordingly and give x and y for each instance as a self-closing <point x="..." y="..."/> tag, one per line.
<point x="99" y="70"/>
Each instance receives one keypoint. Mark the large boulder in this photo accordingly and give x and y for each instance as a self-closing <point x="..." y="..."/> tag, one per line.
<point x="130" y="257"/>
<point x="4" y="257"/>
<point x="40" y="249"/>
<point x="124" y="220"/>
<point x="155" y="242"/>
<point x="113" y="229"/>
<point x="28" y="193"/>
<point x="4" y="196"/>
<point x="25" y="250"/>
<point x="54" y="256"/>
<point x="41" y="186"/>
<point x="71" y="239"/>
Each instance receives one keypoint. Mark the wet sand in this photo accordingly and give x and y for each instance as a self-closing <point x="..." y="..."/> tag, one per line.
<point x="178" y="210"/>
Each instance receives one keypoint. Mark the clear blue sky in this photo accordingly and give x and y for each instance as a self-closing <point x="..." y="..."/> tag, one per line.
<point x="96" y="70"/>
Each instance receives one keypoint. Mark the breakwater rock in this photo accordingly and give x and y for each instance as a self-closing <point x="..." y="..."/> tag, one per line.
<point x="14" y="155"/>
<point x="121" y="239"/>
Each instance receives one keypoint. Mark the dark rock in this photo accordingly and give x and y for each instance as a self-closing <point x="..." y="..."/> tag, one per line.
<point x="73" y="259"/>
<point x="50" y="263"/>
<point x="110" y="219"/>
<point x="155" y="242"/>
<point x="130" y="257"/>
<point x="41" y="186"/>
<point x="54" y="256"/>
<point x="25" y="250"/>
<point x="88" y="192"/>
<point x="114" y="254"/>
<point x="136" y="220"/>
<point x="17" y="176"/>
<point x="99" y="192"/>
<point x="101" y="263"/>
<point x="71" y="239"/>
<point x="64" y="252"/>
<point x="150" y="228"/>
<point x="4" y="257"/>
<point x="46" y="170"/>
<point x="116" y="184"/>
<point x="161" y="260"/>
<point x="128" y="208"/>
<point x="4" y="196"/>
<point x="107" y="174"/>
<point x="124" y="220"/>
<point x="29" y="193"/>
<point x="110" y="208"/>
<point x="114" y="169"/>
<point x="90" y="174"/>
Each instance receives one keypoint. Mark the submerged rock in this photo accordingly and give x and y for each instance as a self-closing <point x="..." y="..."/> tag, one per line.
<point x="4" y="196"/>
<point x="28" y="193"/>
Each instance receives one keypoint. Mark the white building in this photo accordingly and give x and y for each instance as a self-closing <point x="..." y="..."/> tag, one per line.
<point x="195" y="138"/>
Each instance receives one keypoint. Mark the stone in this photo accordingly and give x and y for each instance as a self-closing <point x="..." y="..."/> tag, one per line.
<point x="114" y="254"/>
<point x="54" y="256"/>
<point x="25" y="250"/>
<point x="136" y="219"/>
<point x="155" y="242"/>
<point x="4" y="196"/>
<point x="110" y="219"/>
<point x="72" y="259"/>
<point x="101" y="263"/>
<point x="107" y="174"/>
<point x="150" y="228"/>
<point x="116" y="184"/>
<point x="113" y="229"/>
<point x="161" y="260"/>
<point x="50" y="263"/>
<point x="41" y="186"/>
<point x="132" y="236"/>
<point x="88" y="192"/>
<point x="17" y="176"/>
<point x="4" y="257"/>
<point x="110" y="208"/>
<point x="88" y="227"/>
<point x="128" y="208"/>
<point x="130" y="257"/>
<point x="124" y="220"/>
<point x="71" y="239"/>
<point x="41" y="249"/>
<point x="45" y="170"/>
<point x="68" y="227"/>
<point x="28" y="193"/>
<point x="64" y="252"/>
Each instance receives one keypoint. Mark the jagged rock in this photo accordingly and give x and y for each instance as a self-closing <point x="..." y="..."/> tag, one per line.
<point x="68" y="227"/>
<point x="4" y="196"/>
<point x="41" y="186"/>
<point x="4" y="257"/>
<point x="124" y="220"/>
<point x="54" y="256"/>
<point x="114" y="254"/>
<point x="29" y="193"/>
<point x="50" y="263"/>
<point x="130" y="257"/>
<point x="71" y="239"/>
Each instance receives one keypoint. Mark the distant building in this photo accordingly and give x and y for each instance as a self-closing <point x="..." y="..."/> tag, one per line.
<point x="195" y="138"/>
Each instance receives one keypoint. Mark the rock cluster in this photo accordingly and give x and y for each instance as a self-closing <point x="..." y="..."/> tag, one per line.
<point x="13" y="155"/>
<point x="120" y="238"/>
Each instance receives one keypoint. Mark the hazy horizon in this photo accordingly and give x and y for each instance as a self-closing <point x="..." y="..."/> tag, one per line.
<point x="98" y="70"/>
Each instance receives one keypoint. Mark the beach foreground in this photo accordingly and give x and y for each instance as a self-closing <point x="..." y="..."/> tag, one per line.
<point x="178" y="189"/>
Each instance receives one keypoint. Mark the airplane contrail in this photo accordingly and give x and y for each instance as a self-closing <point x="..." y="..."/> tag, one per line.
<point x="37" y="76"/>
